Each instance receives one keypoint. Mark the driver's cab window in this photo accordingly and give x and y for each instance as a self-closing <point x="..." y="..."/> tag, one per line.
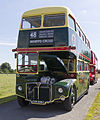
<point x="27" y="62"/>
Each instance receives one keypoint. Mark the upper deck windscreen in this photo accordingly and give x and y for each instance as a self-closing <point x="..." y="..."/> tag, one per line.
<point x="31" y="22"/>
<point x="54" y="20"/>
<point x="48" y="21"/>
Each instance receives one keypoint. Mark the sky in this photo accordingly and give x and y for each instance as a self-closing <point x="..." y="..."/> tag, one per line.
<point x="85" y="11"/>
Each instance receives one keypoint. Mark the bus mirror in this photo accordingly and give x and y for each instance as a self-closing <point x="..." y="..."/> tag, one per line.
<point x="15" y="55"/>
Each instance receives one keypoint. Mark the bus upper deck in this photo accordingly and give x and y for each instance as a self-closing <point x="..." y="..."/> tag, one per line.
<point x="50" y="27"/>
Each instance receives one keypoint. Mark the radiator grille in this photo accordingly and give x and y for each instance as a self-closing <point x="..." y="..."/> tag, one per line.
<point x="44" y="94"/>
<point x="38" y="93"/>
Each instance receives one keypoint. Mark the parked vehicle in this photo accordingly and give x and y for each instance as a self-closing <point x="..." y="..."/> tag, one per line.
<point x="93" y="68"/>
<point x="53" y="58"/>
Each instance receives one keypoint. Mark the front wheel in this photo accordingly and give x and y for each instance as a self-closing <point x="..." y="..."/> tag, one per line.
<point x="87" y="89"/>
<point x="92" y="82"/>
<point x="70" y="101"/>
<point x="22" y="102"/>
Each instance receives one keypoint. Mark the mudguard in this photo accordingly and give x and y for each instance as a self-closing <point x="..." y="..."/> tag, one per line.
<point x="66" y="84"/>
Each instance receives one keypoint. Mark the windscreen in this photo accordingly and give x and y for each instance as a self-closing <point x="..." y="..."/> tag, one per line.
<point x="31" y="22"/>
<point x="27" y="63"/>
<point x="54" y="20"/>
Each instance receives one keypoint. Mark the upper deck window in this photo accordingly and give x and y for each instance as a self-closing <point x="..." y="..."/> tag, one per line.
<point x="31" y="22"/>
<point x="71" y="22"/>
<point x="54" y="20"/>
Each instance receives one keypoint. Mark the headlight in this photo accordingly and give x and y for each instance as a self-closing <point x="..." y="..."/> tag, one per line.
<point x="20" y="88"/>
<point x="60" y="90"/>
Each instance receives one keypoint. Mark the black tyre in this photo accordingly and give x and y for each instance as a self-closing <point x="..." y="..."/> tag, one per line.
<point x="86" y="92"/>
<point x="22" y="102"/>
<point x="92" y="82"/>
<point x="87" y="89"/>
<point x="70" y="101"/>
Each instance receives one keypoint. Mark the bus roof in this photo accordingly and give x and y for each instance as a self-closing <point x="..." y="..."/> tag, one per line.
<point x="47" y="10"/>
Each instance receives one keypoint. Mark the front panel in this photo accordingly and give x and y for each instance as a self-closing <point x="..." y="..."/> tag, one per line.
<point x="43" y="37"/>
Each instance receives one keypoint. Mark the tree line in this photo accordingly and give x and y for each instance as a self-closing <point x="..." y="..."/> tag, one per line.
<point x="6" y="68"/>
<point x="99" y="71"/>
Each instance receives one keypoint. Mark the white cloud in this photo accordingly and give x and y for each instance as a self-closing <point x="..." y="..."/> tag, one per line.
<point x="84" y="11"/>
<point x="8" y="41"/>
<point x="7" y="44"/>
<point x="91" y="22"/>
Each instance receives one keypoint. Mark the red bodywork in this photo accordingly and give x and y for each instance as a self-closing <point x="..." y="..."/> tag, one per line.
<point x="93" y="68"/>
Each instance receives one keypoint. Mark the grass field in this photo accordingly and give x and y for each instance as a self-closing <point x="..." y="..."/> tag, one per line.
<point x="7" y="85"/>
<point x="99" y="76"/>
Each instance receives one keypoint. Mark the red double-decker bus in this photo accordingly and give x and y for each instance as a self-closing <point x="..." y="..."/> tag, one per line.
<point x="93" y="68"/>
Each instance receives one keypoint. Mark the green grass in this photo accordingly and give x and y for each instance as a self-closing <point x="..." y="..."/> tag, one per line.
<point x="8" y="99"/>
<point x="7" y="87"/>
<point x="94" y="111"/>
<point x="99" y="76"/>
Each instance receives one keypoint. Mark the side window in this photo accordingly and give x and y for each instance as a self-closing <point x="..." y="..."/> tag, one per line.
<point x="85" y="66"/>
<point x="71" y="22"/>
<point x="92" y="69"/>
<point x="80" y="33"/>
<point x="78" y="30"/>
<point x="80" y="65"/>
<point x="83" y="37"/>
<point x="89" y="44"/>
<point x="86" y="42"/>
<point x="71" y="65"/>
